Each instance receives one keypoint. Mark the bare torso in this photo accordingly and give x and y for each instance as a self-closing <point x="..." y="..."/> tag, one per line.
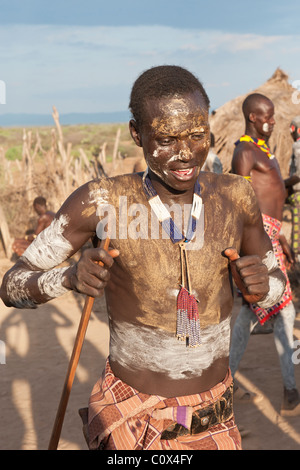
<point x="266" y="177"/>
<point x="145" y="276"/>
<point x="44" y="221"/>
<point x="141" y="295"/>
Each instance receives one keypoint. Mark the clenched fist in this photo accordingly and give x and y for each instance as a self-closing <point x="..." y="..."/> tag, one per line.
<point x="250" y="275"/>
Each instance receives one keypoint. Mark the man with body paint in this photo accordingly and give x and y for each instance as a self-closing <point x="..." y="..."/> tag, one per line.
<point x="166" y="383"/>
<point x="253" y="160"/>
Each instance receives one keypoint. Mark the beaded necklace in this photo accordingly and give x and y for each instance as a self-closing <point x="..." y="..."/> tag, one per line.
<point x="258" y="142"/>
<point x="188" y="323"/>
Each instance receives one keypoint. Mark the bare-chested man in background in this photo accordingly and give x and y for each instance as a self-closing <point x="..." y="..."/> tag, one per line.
<point x="253" y="160"/>
<point x="44" y="220"/>
<point x="166" y="384"/>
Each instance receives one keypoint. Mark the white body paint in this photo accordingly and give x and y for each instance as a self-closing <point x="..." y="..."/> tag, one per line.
<point x="138" y="347"/>
<point x="276" y="286"/>
<point x="98" y="196"/>
<point x="50" y="283"/>
<point x="270" y="261"/>
<point x="50" y="248"/>
<point x="276" y="289"/>
<point x="16" y="290"/>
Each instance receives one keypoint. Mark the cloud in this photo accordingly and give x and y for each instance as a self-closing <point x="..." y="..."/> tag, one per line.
<point x="216" y="41"/>
<point x="93" y="67"/>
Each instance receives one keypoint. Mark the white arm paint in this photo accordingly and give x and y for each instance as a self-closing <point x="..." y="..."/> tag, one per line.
<point x="276" y="285"/>
<point x="48" y="250"/>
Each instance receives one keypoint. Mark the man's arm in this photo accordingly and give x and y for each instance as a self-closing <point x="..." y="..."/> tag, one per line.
<point x="291" y="180"/>
<point x="256" y="272"/>
<point x="37" y="277"/>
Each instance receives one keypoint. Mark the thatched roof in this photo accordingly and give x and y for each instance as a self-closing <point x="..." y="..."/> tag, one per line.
<point x="227" y="122"/>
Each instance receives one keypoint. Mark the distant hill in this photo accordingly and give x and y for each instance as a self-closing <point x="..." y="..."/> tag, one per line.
<point x="16" y="120"/>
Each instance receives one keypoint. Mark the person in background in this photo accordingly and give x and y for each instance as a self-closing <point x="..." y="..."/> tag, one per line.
<point x="253" y="160"/>
<point x="212" y="162"/>
<point x="44" y="220"/>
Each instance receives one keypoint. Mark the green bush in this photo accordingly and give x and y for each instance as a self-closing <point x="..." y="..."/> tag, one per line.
<point x="14" y="153"/>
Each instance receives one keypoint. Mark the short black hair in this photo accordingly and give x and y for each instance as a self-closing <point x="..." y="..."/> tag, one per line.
<point x="252" y="102"/>
<point x="40" y="200"/>
<point x="162" y="81"/>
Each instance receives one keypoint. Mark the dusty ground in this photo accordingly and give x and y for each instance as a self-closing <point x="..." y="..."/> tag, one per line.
<point x="38" y="347"/>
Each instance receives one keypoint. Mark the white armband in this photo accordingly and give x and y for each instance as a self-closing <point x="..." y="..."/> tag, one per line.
<point x="276" y="285"/>
<point x="17" y="291"/>
<point x="49" y="249"/>
<point x="270" y="261"/>
<point x="50" y="283"/>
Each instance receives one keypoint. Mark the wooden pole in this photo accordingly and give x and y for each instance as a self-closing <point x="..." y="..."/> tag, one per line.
<point x="115" y="152"/>
<point x="86" y="313"/>
<point x="6" y="238"/>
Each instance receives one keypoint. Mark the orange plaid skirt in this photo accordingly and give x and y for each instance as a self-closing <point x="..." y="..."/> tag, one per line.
<point x="121" y="418"/>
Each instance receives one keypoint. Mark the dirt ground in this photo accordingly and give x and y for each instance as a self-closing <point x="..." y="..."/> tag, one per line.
<point x="38" y="345"/>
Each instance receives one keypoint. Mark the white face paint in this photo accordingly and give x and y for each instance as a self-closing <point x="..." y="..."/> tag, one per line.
<point x="265" y="127"/>
<point x="50" y="248"/>
<point x="138" y="347"/>
<point x="176" y="157"/>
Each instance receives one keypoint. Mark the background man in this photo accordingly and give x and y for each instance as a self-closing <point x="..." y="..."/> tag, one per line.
<point x="44" y="220"/>
<point x="253" y="160"/>
<point x="212" y="162"/>
<point x="45" y="216"/>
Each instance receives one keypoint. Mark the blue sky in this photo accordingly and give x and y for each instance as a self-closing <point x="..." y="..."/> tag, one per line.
<point x="83" y="56"/>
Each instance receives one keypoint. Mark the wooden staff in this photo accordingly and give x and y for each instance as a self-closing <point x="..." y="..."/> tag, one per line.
<point x="85" y="316"/>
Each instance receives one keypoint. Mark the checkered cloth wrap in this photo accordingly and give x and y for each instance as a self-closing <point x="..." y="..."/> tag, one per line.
<point x="272" y="227"/>
<point x="120" y="418"/>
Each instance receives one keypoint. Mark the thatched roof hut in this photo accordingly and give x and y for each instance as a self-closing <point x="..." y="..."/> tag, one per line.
<point x="227" y="122"/>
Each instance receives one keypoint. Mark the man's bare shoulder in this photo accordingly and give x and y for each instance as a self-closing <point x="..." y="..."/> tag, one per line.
<point x="245" y="158"/>
<point x="223" y="181"/>
<point x="103" y="184"/>
<point x="245" y="150"/>
<point x="227" y="187"/>
<point x="119" y="185"/>
<point x="85" y="200"/>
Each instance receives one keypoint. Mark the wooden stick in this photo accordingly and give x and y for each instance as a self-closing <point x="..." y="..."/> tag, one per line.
<point x="85" y="316"/>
